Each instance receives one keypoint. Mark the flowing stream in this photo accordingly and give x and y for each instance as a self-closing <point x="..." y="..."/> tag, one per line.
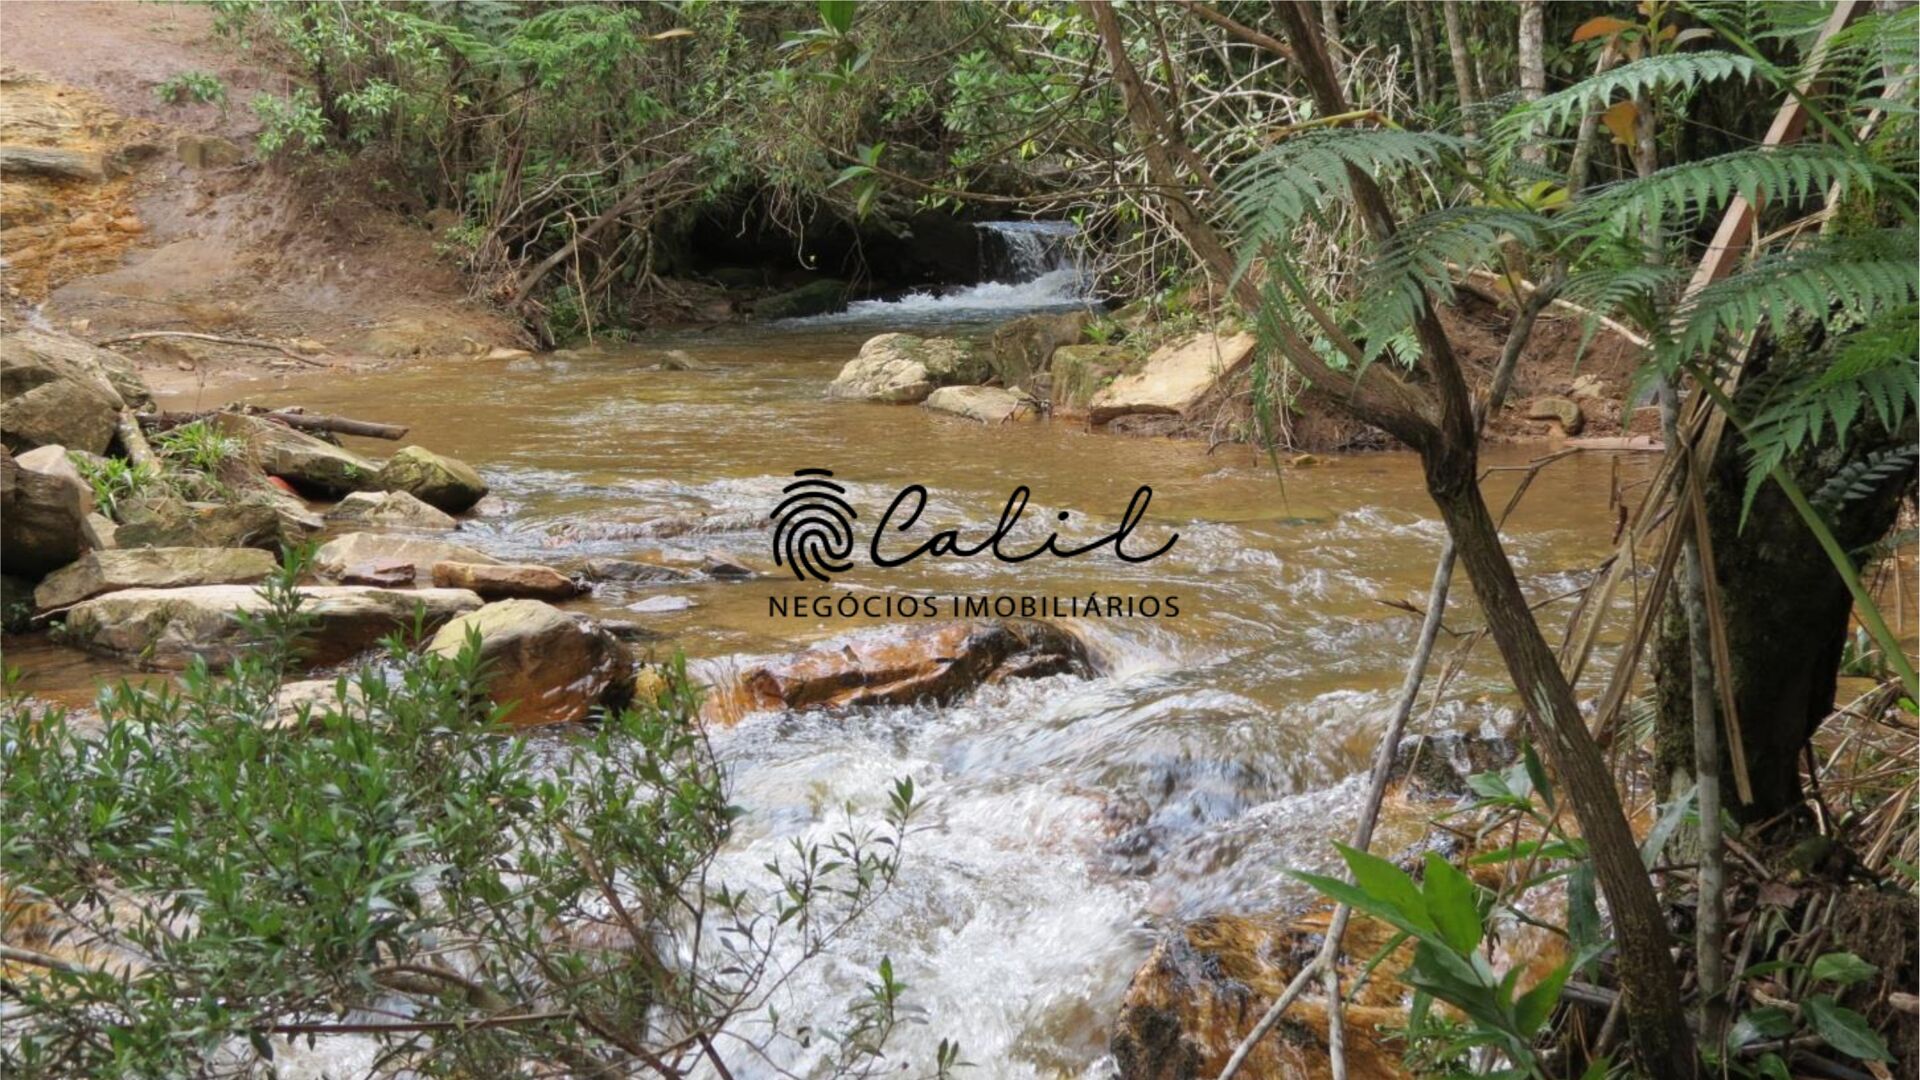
<point x="1066" y="818"/>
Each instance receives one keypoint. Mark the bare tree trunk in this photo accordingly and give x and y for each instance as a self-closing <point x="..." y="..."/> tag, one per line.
<point x="1533" y="68"/>
<point x="1442" y="428"/>
<point x="1422" y="52"/>
<point x="1463" y="79"/>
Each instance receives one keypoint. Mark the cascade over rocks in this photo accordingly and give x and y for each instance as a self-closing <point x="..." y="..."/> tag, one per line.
<point x="551" y="667"/>
<point x="902" y="369"/>
<point x="899" y="665"/>
<point x="99" y="572"/>
<point x="167" y="628"/>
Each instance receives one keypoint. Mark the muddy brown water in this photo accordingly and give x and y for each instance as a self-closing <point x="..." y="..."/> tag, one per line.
<point x="1227" y="741"/>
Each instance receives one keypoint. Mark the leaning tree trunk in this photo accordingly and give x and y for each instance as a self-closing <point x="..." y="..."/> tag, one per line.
<point x="1786" y="612"/>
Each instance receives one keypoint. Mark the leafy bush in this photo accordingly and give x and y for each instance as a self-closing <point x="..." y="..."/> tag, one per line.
<point x="199" y="875"/>
<point x="202" y="87"/>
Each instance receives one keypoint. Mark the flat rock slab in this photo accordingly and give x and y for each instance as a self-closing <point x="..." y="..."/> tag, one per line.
<point x="1175" y="378"/>
<point x="343" y="553"/>
<point x="390" y="510"/>
<point x="167" y="628"/>
<point x="986" y="404"/>
<point x="501" y="581"/>
<point x="99" y="572"/>
<point x="900" y="665"/>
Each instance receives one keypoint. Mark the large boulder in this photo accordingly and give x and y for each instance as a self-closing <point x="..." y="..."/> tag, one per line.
<point x="903" y="369"/>
<point x="311" y="465"/>
<point x="390" y="510"/>
<point x="167" y="628"/>
<point x="343" y="554"/>
<point x="815" y="298"/>
<point x="500" y="581"/>
<point x="548" y="666"/>
<point x="170" y="523"/>
<point x="986" y="404"/>
<point x="1023" y="348"/>
<point x="1176" y="378"/>
<point x="43" y="513"/>
<point x="897" y="665"/>
<point x="1078" y="372"/>
<point x="438" y="481"/>
<point x="54" y="390"/>
<point x="99" y="572"/>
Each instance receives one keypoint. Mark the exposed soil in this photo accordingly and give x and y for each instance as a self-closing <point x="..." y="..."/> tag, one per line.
<point x="186" y="228"/>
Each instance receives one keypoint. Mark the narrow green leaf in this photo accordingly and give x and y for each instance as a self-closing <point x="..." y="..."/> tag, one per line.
<point x="1451" y="903"/>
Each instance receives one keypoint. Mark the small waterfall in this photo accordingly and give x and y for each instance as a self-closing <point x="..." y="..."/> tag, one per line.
<point x="1025" y="266"/>
<point x="1020" y="251"/>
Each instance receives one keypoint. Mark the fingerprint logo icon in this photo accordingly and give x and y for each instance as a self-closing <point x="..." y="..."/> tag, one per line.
<point x="813" y="526"/>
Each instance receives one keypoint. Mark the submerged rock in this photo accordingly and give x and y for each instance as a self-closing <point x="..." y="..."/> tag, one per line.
<point x="438" y="481"/>
<point x="309" y="464"/>
<point x="133" y="568"/>
<point x="902" y="369"/>
<point x="43" y="513"/>
<point x="1175" y="379"/>
<point x="986" y="404"/>
<point x="638" y="571"/>
<point x="898" y="665"/>
<point x="550" y="667"/>
<point x="344" y="553"/>
<point x="167" y="628"/>
<point x="496" y="581"/>
<point x="390" y="510"/>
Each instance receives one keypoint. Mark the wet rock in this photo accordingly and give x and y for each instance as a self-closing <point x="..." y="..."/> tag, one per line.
<point x="438" y="481"/>
<point x="816" y="298"/>
<point x="361" y="548"/>
<point x="638" y="571"/>
<point x="1204" y="987"/>
<point x="903" y="369"/>
<point x="1078" y="372"/>
<point x="171" y="523"/>
<point x="390" y="510"/>
<point x="897" y="665"/>
<point x="1175" y="379"/>
<point x="1024" y="347"/>
<point x="208" y="152"/>
<point x="985" y="404"/>
<point x="719" y="564"/>
<point x="99" y="572"/>
<point x="167" y="628"/>
<point x="1563" y="411"/>
<point x="43" y="514"/>
<point x="661" y="605"/>
<point x="309" y="464"/>
<point x="386" y="573"/>
<point x="501" y="581"/>
<point x="53" y="162"/>
<point x="54" y="390"/>
<point x="550" y="667"/>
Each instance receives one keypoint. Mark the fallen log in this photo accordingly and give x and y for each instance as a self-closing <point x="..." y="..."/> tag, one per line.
<point x="299" y="421"/>
<point x="244" y="343"/>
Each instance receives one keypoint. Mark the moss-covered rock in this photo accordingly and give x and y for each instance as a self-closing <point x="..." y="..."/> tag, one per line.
<point x="434" y="479"/>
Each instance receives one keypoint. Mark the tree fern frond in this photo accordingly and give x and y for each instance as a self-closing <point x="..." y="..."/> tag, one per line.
<point x="1289" y="182"/>
<point x="1663" y="72"/>
<point x="1415" y="262"/>
<point x="1764" y="175"/>
<point x="1862" y="275"/>
<point x="1862" y="478"/>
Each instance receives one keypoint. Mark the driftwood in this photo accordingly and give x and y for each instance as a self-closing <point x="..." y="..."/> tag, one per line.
<point x="299" y="421"/>
<point x="245" y="343"/>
